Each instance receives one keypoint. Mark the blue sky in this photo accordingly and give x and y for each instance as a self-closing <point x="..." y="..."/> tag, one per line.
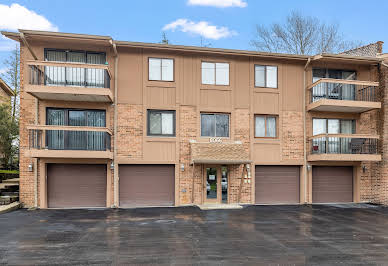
<point x="144" y="20"/>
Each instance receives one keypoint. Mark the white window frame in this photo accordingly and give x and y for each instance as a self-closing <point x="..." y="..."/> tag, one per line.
<point x="266" y="76"/>
<point x="215" y="73"/>
<point x="161" y="69"/>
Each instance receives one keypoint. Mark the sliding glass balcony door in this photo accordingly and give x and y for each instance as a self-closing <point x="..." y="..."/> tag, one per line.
<point x="75" y="76"/>
<point x="75" y="139"/>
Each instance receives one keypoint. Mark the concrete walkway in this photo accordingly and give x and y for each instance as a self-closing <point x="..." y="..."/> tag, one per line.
<point x="254" y="235"/>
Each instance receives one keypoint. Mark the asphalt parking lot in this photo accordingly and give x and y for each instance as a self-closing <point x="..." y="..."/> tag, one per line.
<point x="254" y="235"/>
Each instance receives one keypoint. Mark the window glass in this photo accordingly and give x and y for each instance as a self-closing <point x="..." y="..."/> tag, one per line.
<point x="271" y="127"/>
<point x="222" y="74"/>
<point x="260" y="126"/>
<point x="222" y="125"/>
<point x="167" y="69"/>
<point x="318" y="73"/>
<point x="319" y="126"/>
<point x="167" y="123"/>
<point x="208" y="73"/>
<point x="76" y="57"/>
<point x="155" y="70"/>
<point x="161" y="122"/>
<point x="272" y="77"/>
<point x="155" y="123"/>
<point x="208" y="125"/>
<point x="333" y="126"/>
<point x="77" y="118"/>
<point x="348" y="127"/>
<point x="59" y="56"/>
<point x="260" y="76"/>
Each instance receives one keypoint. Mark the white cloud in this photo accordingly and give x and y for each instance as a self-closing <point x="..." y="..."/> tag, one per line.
<point x="218" y="3"/>
<point x="202" y="28"/>
<point x="16" y="17"/>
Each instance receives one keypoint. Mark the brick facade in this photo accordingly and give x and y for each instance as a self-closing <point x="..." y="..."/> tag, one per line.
<point x="133" y="144"/>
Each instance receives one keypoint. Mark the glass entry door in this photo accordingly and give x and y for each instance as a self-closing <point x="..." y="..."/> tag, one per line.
<point x="216" y="184"/>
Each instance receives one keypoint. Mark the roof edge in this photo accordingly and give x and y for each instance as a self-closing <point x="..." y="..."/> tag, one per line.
<point x="197" y="49"/>
<point x="6" y="88"/>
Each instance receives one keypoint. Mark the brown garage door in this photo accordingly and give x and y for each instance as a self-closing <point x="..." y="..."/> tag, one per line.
<point x="146" y="185"/>
<point x="277" y="184"/>
<point x="332" y="184"/>
<point x="76" y="185"/>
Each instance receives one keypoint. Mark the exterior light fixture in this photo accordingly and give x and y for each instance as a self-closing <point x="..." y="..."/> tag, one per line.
<point x="364" y="169"/>
<point x="308" y="167"/>
<point x="182" y="167"/>
<point x="30" y="167"/>
<point x="112" y="166"/>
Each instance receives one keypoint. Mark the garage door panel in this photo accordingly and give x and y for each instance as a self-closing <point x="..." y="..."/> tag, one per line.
<point x="277" y="184"/>
<point x="147" y="185"/>
<point x="332" y="184"/>
<point x="76" y="185"/>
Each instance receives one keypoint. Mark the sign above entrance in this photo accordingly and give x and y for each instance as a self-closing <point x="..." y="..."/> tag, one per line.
<point x="215" y="140"/>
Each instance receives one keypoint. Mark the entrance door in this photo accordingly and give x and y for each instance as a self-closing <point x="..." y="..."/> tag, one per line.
<point x="216" y="184"/>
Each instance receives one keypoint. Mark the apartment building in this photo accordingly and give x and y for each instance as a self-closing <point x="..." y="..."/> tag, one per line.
<point x="5" y="92"/>
<point x="106" y="123"/>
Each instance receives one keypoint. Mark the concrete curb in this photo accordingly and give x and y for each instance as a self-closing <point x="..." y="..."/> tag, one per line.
<point x="10" y="207"/>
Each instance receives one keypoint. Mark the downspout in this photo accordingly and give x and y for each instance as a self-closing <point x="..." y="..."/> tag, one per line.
<point x="36" y="160"/>
<point x="305" y="134"/>
<point x="115" y="165"/>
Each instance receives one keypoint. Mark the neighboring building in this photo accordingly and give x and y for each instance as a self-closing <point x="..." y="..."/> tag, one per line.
<point x="113" y="123"/>
<point x="5" y="92"/>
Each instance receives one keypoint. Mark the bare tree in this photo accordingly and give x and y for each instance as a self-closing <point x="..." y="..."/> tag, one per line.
<point x="301" y="35"/>
<point x="165" y="40"/>
<point x="12" y="77"/>
<point x="205" y="43"/>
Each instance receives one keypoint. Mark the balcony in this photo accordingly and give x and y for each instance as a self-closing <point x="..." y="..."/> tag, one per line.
<point x="348" y="96"/>
<point x="66" y="81"/>
<point x="344" y="147"/>
<point x="69" y="142"/>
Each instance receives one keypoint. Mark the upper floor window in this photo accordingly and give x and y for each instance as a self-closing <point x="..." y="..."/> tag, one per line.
<point x="266" y="76"/>
<point x="265" y="126"/>
<point x="215" y="73"/>
<point x="319" y="73"/>
<point x="161" y="69"/>
<point x="333" y="126"/>
<point x="215" y="125"/>
<point x="161" y="123"/>
<point x="75" y="56"/>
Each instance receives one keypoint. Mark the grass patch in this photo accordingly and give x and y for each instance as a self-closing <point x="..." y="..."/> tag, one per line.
<point x="9" y="172"/>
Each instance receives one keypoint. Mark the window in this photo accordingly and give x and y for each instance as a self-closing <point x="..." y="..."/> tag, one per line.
<point x="215" y="73"/>
<point x="215" y="125"/>
<point x="266" y="76"/>
<point x="161" y="123"/>
<point x="161" y="69"/>
<point x="75" y="56"/>
<point x="265" y="126"/>
<point x="319" y="73"/>
<point x="333" y="126"/>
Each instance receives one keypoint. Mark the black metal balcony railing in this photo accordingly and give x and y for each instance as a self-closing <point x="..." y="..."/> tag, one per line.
<point x="343" y="90"/>
<point x="343" y="145"/>
<point x="69" y="140"/>
<point x="69" y="76"/>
